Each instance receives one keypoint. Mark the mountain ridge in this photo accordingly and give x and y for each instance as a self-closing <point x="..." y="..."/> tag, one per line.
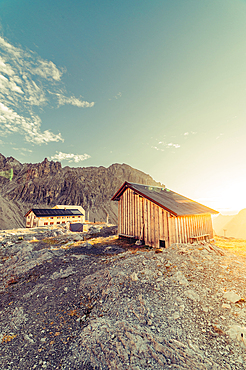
<point x="47" y="183"/>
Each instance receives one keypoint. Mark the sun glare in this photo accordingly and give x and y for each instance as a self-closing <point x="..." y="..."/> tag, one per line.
<point x="227" y="200"/>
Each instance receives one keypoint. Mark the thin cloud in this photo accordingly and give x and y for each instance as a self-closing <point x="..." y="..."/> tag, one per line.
<point x="23" y="149"/>
<point x="170" y="145"/>
<point x="156" y="148"/>
<point x="70" y="157"/>
<point x="11" y="122"/>
<point x="188" y="133"/>
<point x="28" y="82"/>
<point x="117" y="96"/>
<point x="62" y="100"/>
<point x="218" y="137"/>
<point x="161" y="146"/>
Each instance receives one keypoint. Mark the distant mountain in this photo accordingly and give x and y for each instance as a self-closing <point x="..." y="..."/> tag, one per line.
<point x="236" y="227"/>
<point x="46" y="184"/>
<point x="219" y="223"/>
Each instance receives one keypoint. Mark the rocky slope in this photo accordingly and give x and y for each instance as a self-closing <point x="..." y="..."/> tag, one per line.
<point x="99" y="304"/>
<point x="46" y="184"/>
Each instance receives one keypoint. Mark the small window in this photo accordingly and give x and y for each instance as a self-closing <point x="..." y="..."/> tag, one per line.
<point x="46" y="223"/>
<point x="51" y="223"/>
<point x="58" y="222"/>
<point x="63" y="222"/>
<point x="162" y="244"/>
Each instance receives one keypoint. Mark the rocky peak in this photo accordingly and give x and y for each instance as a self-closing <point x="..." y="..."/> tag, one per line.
<point x="47" y="184"/>
<point x="9" y="162"/>
<point x="47" y="167"/>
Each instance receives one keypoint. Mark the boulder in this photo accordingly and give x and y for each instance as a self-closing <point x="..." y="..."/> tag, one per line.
<point x="231" y="296"/>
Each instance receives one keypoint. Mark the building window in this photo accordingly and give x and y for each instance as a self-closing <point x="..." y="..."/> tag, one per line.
<point x="51" y="223"/>
<point x="46" y="223"/>
<point x="58" y="222"/>
<point x="63" y="222"/>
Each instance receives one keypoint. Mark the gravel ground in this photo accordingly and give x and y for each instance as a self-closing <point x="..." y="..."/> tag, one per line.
<point x="73" y="301"/>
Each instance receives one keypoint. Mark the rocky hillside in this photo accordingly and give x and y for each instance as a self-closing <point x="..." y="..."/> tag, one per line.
<point x="83" y="301"/>
<point x="46" y="184"/>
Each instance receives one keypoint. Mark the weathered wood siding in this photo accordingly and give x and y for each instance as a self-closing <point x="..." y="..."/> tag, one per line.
<point x="140" y="218"/>
<point x="194" y="225"/>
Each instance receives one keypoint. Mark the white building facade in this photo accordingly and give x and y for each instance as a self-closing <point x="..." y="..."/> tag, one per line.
<point x="51" y="217"/>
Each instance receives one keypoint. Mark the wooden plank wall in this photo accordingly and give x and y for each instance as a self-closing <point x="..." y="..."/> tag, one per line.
<point x="135" y="212"/>
<point x="137" y="215"/>
<point x="195" y="225"/>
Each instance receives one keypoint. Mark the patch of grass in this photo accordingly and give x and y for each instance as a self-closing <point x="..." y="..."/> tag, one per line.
<point x="50" y="241"/>
<point x="237" y="246"/>
<point x="54" y="241"/>
<point x="7" y="338"/>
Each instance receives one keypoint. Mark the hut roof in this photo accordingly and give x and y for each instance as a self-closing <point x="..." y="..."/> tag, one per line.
<point x="39" y="212"/>
<point x="176" y="204"/>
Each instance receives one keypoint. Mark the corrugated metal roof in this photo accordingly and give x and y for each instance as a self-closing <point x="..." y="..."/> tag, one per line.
<point x="173" y="202"/>
<point x="54" y="212"/>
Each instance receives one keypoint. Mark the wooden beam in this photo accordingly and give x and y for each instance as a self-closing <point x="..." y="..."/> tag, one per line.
<point x="148" y="222"/>
<point x="157" y="225"/>
<point x="118" y="208"/>
<point x="145" y="211"/>
<point x="172" y="236"/>
<point x="161" y="223"/>
<point x="177" y="229"/>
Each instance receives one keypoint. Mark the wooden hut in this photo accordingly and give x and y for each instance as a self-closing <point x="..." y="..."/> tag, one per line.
<point x="160" y="217"/>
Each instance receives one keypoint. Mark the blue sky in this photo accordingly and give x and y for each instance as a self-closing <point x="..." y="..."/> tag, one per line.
<point x="159" y="85"/>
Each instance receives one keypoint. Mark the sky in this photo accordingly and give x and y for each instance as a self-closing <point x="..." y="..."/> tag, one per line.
<point x="157" y="84"/>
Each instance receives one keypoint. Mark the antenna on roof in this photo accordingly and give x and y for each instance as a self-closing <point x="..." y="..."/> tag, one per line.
<point x="8" y="174"/>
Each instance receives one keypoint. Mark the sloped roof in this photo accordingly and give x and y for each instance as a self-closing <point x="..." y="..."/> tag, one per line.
<point x="39" y="212"/>
<point x="167" y="199"/>
<point x="65" y="206"/>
